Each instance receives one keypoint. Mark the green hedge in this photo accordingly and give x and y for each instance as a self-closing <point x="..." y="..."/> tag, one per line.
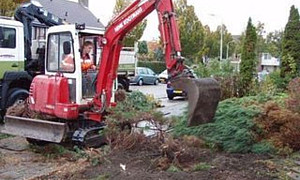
<point x="156" y="66"/>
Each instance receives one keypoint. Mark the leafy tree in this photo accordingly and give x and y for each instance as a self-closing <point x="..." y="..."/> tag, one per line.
<point x="274" y="43"/>
<point x="158" y="54"/>
<point x="227" y="37"/>
<point x="291" y="45"/>
<point x="239" y="44"/>
<point x="212" y="42"/>
<point x="211" y="47"/>
<point x="208" y="42"/>
<point x="270" y="44"/>
<point x="248" y="58"/>
<point x="191" y="30"/>
<point x="7" y="7"/>
<point x="137" y="32"/>
<point x="143" y="48"/>
<point x="261" y="45"/>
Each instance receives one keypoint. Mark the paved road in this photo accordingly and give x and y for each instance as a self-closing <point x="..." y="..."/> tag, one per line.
<point x="171" y="107"/>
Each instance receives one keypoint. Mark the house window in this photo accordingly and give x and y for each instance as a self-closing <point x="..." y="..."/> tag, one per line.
<point x="7" y="37"/>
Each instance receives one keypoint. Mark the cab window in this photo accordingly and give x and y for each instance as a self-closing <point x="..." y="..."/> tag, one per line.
<point x="7" y="37"/>
<point x="60" y="53"/>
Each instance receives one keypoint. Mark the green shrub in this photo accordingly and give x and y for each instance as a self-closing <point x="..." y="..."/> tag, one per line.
<point x="135" y="105"/>
<point x="231" y="130"/>
<point x="234" y="129"/>
<point x="215" y="68"/>
<point x="268" y="86"/>
<point x="156" y="66"/>
<point x="224" y="73"/>
<point x="280" y="83"/>
<point x="263" y="148"/>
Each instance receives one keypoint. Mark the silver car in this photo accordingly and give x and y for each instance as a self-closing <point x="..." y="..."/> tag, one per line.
<point x="144" y="76"/>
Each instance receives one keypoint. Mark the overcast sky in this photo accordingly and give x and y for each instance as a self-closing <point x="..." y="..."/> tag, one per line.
<point x="233" y="13"/>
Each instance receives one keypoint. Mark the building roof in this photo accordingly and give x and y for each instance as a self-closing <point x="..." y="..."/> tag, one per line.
<point x="236" y="37"/>
<point x="71" y="12"/>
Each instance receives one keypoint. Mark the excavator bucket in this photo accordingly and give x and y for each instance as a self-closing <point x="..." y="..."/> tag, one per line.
<point x="203" y="98"/>
<point x="35" y="129"/>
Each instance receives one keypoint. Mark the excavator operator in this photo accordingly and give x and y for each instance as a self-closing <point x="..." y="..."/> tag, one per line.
<point x="88" y="77"/>
<point x="86" y="59"/>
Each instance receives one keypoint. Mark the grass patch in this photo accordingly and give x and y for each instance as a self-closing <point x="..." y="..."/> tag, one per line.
<point x="54" y="151"/>
<point x="102" y="177"/>
<point x="173" y="168"/>
<point x="201" y="167"/>
<point x="4" y="136"/>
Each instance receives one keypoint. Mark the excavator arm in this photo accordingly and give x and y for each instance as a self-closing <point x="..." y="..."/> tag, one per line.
<point x="26" y="13"/>
<point x="180" y="77"/>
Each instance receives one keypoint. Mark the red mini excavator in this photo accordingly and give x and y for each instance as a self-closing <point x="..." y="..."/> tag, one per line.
<point x="58" y="93"/>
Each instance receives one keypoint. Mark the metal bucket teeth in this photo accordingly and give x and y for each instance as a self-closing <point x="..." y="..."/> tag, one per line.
<point x="35" y="129"/>
<point x="203" y="98"/>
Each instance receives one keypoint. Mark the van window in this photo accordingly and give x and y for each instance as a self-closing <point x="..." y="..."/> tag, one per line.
<point x="7" y="37"/>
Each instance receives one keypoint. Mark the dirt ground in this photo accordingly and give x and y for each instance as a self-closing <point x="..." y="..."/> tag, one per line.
<point x="18" y="160"/>
<point x="138" y="166"/>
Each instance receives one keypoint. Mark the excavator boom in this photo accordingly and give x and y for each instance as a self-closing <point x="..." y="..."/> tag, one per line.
<point x="203" y="94"/>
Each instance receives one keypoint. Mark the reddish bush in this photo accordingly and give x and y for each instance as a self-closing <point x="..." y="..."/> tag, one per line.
<point x="281" y="126"/>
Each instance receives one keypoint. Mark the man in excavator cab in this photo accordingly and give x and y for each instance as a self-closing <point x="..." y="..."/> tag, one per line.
<point x="88" y="70"/>
<point x="86" y="58"/>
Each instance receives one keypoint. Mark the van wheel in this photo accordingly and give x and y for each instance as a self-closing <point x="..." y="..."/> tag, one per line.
<point x="15" y="95"/>
<point x="120" y="86"/>
<point x="124" y="84"/>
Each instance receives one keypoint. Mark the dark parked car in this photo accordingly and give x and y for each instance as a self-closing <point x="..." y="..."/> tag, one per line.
<point x="172" y="92"/>
<point x="144" y="76"/>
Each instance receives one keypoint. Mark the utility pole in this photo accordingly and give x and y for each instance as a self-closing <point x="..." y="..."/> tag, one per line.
<point x="221" y="43"/>
<point x="221" y="39"/>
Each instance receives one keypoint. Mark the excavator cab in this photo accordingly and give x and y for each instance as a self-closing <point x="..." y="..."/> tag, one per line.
<point x="63" y="56"/>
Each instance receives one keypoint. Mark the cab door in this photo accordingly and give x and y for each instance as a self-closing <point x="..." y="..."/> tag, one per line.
<point x="62" y="45"/>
